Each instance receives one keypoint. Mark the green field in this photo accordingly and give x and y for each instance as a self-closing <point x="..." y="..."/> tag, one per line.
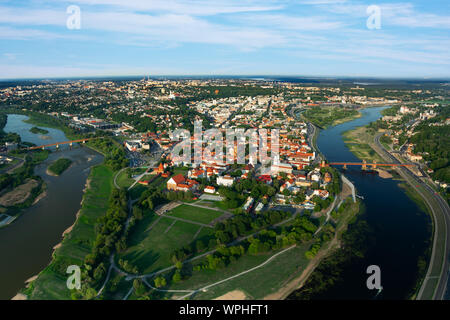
<point x="330" y="116"/>
<point x="196" y="214"/>
<point x="150" y="250"/>
<point x="255" y="284"/>
<point x="51" y="282"/>
<point x="180" y="170"/>
<point x="123" y="180"/>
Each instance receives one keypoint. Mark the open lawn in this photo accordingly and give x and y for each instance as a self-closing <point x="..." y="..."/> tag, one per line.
<point x="51" y="282"/>
<point x="256" y="284"/>
<point x="123" y="181"/>
<point x="180" y="170"/>
<point x="150" y="250"/>
<point x="196" y="214"/>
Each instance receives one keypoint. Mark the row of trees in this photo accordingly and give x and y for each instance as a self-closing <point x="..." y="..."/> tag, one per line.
<point x="109" y="235"/>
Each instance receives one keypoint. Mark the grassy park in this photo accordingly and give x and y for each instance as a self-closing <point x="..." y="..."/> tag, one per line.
<point x="150" y="250"/>
<point x="196" y="214"/>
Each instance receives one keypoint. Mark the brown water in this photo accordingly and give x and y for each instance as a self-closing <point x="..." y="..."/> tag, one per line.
<point x="27" y="244"/>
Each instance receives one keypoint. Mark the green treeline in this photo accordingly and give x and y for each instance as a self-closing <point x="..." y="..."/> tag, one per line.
<point x="434" y="143"/>
<point x="109" y="231"/>
<point x="115" y="156"/>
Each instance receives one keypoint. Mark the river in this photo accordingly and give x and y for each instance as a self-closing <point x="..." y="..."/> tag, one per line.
<point x="402" y="230"/>
<point x="27" y="244"/>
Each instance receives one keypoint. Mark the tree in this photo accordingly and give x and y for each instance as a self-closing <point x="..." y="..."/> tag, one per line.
<point x="99" y="271"/>
<point x="139" y="288"/>
<point x="160" y="282"/>
<point x="199" y="245"/>
<point x="176" y="276"/>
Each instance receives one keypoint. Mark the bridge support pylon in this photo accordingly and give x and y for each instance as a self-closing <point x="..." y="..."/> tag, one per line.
<point x="364" y="165"/>
<point x="374" y="165"/>
<point x="345" y="166"/>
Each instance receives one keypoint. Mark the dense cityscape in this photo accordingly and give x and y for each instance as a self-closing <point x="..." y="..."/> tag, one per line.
<point x="214" y="219"/>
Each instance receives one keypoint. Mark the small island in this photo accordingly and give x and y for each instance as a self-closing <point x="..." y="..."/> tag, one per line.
<point x="37" y="130"/>
<point x="59" y="166"/>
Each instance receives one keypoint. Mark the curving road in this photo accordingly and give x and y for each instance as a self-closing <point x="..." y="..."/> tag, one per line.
<point x="439" y="263"/>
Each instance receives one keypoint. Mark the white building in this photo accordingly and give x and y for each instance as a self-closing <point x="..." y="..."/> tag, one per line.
<point x="226" y="181"/>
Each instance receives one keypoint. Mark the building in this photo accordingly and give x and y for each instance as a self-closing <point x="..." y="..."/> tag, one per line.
<point x="175" y="181"/>
<point x="133" y="145"/>
<point x="259" y="207"/>
<point x="159" y="170"/>
<point x="226" y="181"/>
<point x="210" y="189"/>
<point x="179" y="183"/>
<point x="282" y="167"/>
<point x="248" y="204"/>
<point x="267" y="179"/>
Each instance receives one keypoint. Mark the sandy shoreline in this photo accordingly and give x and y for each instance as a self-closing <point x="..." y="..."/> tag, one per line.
<point x="41" y="196"/>
<point x="384" y="174"/>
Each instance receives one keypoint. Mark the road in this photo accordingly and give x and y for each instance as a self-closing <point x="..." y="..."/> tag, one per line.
<point x="441" y="217"/>
<point x="312" y="129"/>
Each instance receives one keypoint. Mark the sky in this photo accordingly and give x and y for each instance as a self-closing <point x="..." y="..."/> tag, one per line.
<point x="335" y="38"/>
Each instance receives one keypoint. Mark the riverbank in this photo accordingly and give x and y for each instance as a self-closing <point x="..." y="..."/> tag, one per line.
<point x="78" y="239"/>
<point x="334" y="245"/>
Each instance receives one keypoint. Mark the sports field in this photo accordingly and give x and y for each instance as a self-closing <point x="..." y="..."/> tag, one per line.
<point x="155" y="238"/>
<point x="196" y="214"/>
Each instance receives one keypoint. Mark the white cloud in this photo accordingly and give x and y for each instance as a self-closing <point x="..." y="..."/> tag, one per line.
<point x="189" y="7"/>
<point x="282" y="21"/>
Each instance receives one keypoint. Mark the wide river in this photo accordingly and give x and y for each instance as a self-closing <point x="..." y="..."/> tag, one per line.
<point x="401" y="229"/>
<point x="27" y="244"/>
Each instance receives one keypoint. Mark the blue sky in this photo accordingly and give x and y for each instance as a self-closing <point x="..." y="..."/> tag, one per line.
<point x="224" y="37"/>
